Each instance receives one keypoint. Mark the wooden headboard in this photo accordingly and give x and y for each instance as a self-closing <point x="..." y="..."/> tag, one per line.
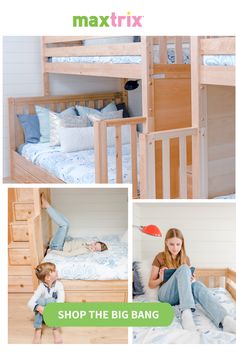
<point x="26" y="105"/>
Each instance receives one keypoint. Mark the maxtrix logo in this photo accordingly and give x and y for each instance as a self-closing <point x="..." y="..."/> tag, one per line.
<point x="113" y="20"/>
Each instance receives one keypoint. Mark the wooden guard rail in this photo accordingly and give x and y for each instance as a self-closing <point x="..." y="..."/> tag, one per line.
<point x="100" y="147"/>
<point x="148" y="161"/>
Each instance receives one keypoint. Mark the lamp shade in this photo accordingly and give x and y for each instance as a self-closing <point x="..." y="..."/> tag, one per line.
<point x="131" y="85"/>
<point x="151" y="230"/>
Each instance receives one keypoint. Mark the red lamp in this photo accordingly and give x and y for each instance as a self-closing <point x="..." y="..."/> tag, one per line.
<point x="152" y="230"/>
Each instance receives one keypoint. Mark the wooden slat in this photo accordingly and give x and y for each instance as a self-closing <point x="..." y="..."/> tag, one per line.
<point x="183" y="167"/>
<point x="163" y="50"/>
<point x="69" y="39"/>
<point x="147" y="168"/>
<point x="231" y="274"/>
<point x="217" y="46"/>
<point x="118" y="147"/>
<point x="166" y="168"/>
<point x="133" y="142"/>
<point x="172" y="133"/>
<point x="231" y="290"/>
<point x="107" y="70"/>
<point x="95" y="50"/>
<point x="100" y="150"/>
<point x="178" y="50"/>
<point x="126" y="121"/>
<point x="217" y="75"/>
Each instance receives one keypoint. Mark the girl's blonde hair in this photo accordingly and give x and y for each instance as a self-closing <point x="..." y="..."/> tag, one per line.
<point x="181" y="257"/>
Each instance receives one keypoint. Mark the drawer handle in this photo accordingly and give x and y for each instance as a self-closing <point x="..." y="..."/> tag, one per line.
<point x="29" y="212"/>
<point x="83" y="300"/>
<point x="25" y="257"/>
<point x="27" y="234"/>
<point x="21" y="285"/>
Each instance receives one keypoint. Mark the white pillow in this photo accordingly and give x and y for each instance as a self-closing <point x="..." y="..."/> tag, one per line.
<point x="78" y="139"/>
<point x="57" y="120"/>
<point x="144" y="270"/>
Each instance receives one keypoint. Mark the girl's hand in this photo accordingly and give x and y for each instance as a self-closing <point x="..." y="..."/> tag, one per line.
<point x="161" y="273"/>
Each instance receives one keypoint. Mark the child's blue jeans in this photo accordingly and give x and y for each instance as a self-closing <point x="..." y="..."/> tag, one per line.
<point x="179" y="290"/>
<point x="38" y="319"/>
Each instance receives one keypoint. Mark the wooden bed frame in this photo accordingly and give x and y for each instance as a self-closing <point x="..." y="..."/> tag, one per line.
<point x="23" y="171"/>
<point x="173" y="154"/>
<point x="205" y="180"/>
<point x="213" y="113"/>
<point x="218" y="277"/>
<point x="75" y="290"/>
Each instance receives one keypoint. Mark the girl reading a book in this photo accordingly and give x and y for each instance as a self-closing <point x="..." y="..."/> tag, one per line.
<point x="182" y="288"/>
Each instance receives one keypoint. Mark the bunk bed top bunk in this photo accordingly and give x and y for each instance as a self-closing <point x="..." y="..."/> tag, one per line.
<point x="217" y="60"/>
<point x="94" y="55"/>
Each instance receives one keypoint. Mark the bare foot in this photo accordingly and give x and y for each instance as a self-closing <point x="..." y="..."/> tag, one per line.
<point x="57" y="336"/>
<point x="37" y="336"/>
<point x="44" y="202"/>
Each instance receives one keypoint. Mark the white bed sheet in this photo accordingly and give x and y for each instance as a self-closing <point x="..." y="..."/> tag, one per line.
<point x="76" y="167"/>
<point x="206" y="333"/>
<point x="108" y="265"/>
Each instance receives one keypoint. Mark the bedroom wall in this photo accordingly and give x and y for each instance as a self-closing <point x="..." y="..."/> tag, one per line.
<point x="209" y="230"/>
<point x="93" y="211"/>
<point x="22" y="77"/>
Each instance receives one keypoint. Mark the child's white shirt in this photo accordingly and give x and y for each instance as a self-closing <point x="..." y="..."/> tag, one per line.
<point x="43" y="291"/>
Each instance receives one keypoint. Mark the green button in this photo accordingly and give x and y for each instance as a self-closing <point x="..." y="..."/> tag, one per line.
<point x="108" y="314"/>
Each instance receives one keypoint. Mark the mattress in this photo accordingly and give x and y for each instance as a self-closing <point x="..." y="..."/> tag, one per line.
<point x="125" y="59"/>
<point x="108" y="265"/>
<point x="219" y="60"/>
<point x="75" y="167"/>
<point x="206" y="333"/>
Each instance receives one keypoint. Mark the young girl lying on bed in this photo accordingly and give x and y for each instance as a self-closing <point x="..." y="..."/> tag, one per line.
<point x="182" y="288"/>
<point x="49" y="290"/>
<point x="59" y="244"/>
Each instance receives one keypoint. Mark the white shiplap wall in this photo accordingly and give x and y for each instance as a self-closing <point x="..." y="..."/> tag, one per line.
<point x="92" y="211"/>
<point x="209" y="230"/>
<point x="22" y="77"/>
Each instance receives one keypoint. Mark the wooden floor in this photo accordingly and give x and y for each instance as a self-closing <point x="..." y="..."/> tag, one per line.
<point x="20" y="328"/>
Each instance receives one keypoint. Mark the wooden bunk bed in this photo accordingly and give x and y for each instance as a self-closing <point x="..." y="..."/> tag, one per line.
<point x="213" y="113"/>
<point x="212" y="172"/>
<point x="166" y="104"/>
<point x="29" y="234"/>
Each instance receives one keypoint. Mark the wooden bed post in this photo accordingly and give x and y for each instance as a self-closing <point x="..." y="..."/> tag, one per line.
<point x="100" y="151"/>
<point x="45" y="74"/>
<point x="199" y="120"/>
<point x="147" y="82"/>
<point x="147" y="168"/>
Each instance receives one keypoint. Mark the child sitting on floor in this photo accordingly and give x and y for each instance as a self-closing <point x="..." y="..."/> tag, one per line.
<point x="59" y="243"/>
<point x="49" y="290"/>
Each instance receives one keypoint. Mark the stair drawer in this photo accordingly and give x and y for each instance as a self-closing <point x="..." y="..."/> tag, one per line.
<point x="19" y="232"/>
<point x="23" y="211"/>
<point x="19" y="256"/>
<point x="24" y="194"/>
<point x="18" y="284"/>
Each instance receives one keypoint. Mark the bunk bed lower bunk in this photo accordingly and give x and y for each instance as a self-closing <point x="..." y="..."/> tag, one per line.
<point x="80" y="158"/>
<point x="222" y="283"/>
<point x="86" y="278"/>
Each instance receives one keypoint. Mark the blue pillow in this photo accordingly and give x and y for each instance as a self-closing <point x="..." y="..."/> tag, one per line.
<point x="138" y="288"/>
<point x="30" y="125"/>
